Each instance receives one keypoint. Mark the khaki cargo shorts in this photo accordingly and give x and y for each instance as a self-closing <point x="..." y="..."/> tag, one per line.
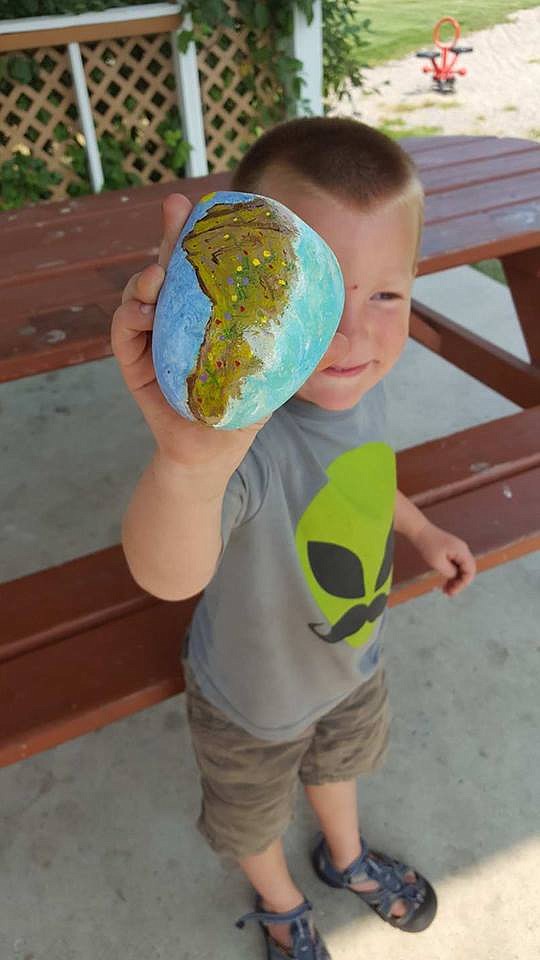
<point x="249" y="785"/>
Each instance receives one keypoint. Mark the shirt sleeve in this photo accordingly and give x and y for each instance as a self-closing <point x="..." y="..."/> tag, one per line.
<point x="244" y="495"/>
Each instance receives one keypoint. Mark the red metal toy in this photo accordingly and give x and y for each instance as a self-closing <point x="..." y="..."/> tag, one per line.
<point x="442" y="68"/>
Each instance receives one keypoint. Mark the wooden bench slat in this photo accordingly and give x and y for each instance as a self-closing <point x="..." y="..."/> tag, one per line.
<point x="54" y="693"/>
<point x="74" y="596"/>
<point x="470" y="458"/>
<point x="500" y="521"/>
<point x="82" y="593"/>
<point x="90" y="679"/>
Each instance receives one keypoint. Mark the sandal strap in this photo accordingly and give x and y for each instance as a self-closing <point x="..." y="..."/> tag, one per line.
<point x="264" y="916"/>
<point x="389" y="874"/>
<point x="306" y="943"/>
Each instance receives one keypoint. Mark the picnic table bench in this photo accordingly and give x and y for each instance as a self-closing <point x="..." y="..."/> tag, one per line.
<point x="82" y="644"/>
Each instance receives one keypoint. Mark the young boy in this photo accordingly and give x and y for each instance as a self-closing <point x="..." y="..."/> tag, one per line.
<point x="288" y="528"/>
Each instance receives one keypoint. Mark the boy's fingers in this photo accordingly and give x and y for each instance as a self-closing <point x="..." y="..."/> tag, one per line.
<point x="129" y="322"/>
<point x="175" y="210"/>
<point x="145" y="285"/>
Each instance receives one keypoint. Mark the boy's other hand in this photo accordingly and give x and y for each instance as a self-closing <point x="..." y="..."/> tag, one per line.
<point x="190" y="444"/>
<point x="447" y="554"/>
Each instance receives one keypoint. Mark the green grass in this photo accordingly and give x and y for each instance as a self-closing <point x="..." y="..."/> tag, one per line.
<point x="396" y="129"/>
<point x="491" y="268"/>
<point x="411" y="107"/>
<point x="399" y="27"/>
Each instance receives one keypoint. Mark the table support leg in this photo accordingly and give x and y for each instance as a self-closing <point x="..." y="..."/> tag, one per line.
<point x="523" y="274"/>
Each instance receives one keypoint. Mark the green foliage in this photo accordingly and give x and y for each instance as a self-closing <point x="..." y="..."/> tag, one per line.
<point x="113" y="151"/>
<point x="491" y="268"/>
<point x="343" y="45"/>
<point x="19" y="9"/>
<point x="25" y="179"/>
<point x="18" y="68"/>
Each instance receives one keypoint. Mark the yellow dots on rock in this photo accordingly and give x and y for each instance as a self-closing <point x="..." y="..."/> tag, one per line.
<point x="282" y="283"/>
<point x="234" y="297"/>
<point x="256" y="262"/>
<point x="226" y="236"/>
<point x="266" y="253"/>
<point x="267" y="213"/>
<point x="283" y="263"/>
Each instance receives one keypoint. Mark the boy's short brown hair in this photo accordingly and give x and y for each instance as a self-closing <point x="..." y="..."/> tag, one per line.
<point x="342" y="156"/>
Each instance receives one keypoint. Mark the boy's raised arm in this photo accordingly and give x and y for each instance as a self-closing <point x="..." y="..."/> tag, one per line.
<point x="171" y="530"/>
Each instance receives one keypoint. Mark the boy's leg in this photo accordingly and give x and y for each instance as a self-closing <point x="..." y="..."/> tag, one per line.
<point x="269" y="874"/>
<point x="336" y="808"/>
<point x="248" y="790"/>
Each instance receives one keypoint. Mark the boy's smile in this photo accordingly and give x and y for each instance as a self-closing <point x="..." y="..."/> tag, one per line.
<point x="376" y="250"/>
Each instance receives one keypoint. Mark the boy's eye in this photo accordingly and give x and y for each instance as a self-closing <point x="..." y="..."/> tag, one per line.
<point x="385" y="295"/>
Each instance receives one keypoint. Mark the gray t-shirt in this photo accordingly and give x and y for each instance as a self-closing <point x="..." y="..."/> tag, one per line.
<point x="290" y="623"/>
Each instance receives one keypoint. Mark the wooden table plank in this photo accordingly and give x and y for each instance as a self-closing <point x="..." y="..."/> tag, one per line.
<point x="486" y="197"/>
<point x="63" y="265"/>
<point x="57" y="213"/>
<point x="449" y="151"/>
<point x="479" y="171"/>
<point x="479" y="236"/>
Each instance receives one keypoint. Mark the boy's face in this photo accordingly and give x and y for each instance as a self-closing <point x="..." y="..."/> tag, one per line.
<point x="376" y="252"/>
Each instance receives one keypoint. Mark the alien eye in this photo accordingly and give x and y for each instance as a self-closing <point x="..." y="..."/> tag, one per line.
<point x="386" y="564"/>
<point x="336" y="569"/>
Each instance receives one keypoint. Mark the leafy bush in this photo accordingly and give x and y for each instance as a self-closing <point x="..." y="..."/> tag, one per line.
<point x="25" y="179"/>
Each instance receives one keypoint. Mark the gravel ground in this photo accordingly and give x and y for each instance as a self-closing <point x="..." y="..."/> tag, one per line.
<point x="498" y="96"/>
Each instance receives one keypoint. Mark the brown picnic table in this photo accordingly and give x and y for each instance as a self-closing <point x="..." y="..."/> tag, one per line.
<point x="82" y="644"/>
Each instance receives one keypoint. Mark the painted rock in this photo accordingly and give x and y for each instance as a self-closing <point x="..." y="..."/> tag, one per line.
<point x="250" y="302"/>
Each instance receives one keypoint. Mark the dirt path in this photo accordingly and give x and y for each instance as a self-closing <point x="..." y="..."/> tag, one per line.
<point x="500" y="94"/>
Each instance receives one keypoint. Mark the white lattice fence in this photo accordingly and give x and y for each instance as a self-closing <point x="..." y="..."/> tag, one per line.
<point x="119" y="73"/>
<point x="31" y="115"/>
<point x="225" y="69"/>
<point x="132" y="91"/>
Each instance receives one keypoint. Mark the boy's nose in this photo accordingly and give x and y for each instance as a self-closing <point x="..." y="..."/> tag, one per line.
<point x="337" y="351"/>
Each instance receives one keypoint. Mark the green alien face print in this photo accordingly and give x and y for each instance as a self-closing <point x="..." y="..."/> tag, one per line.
<point x="344" y="541"/>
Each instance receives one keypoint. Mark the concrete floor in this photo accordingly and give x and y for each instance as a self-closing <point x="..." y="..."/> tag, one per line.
<point x="99" y="858"/>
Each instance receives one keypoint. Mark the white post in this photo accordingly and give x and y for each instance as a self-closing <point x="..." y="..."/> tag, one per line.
<point x="85" y="114"/>
<point x="307" y="47"/>
<point x="186" y="72"/>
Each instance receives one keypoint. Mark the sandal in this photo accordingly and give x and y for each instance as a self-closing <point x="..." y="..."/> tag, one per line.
<point x="307" y="943"/>
<point x="390" y="874"/>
